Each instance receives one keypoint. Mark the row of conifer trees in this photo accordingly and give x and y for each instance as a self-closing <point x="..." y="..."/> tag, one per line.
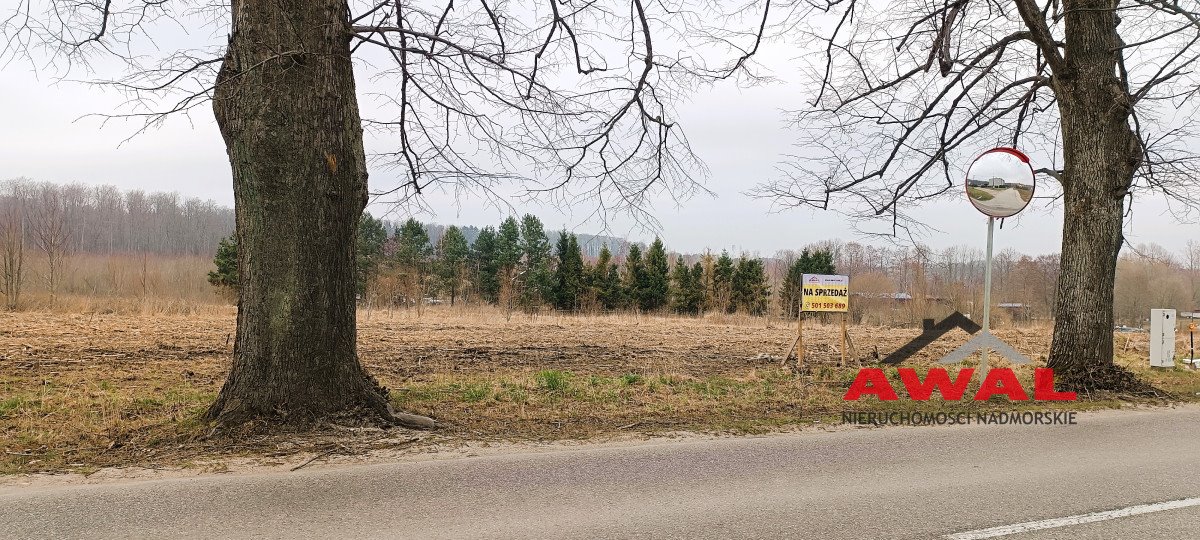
<point x="519" y="265"/>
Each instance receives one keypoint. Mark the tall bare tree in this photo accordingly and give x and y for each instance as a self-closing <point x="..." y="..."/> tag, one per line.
<point x="906" y="93"/>
<point x="573" y="100"/>
<point x="1191" y="256"/>
<point x="14" y="205"/>
<point x="52" y="226"/>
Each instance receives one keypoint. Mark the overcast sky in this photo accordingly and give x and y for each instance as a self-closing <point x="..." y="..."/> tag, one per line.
<point x="739" y="133"/>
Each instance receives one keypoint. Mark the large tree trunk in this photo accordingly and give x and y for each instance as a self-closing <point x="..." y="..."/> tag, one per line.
<point x="1100" y="153"/>
<point x="285" y="104"/>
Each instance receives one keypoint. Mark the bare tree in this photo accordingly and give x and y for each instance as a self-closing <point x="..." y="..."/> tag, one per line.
<point x="14" y="203"/>
<point x="1149" y="277"/>
<point x="1192" y="257"/>
<point x="52" y="223"/>
<point x="572" y="100"/>
<point x="905" y="94"/>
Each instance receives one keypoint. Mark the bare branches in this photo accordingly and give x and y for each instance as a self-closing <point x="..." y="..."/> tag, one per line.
<point x="887" y="131"/>
<point x="572" y="100"/>
<point x="741" y="60"/>
<point x="1035" y="21"/>
<point x="76" y="31"/>
<point x="114" y="36"/>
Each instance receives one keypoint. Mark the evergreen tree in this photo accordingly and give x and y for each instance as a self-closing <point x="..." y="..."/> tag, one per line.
<point x="412" y="244"/>
<point x="369" y="246"/>
<point x="452" y="255"/>
<point x="635" y="276"/>
<point x="707" y="263"/>
<point x="809" y="262"/>
<point x="569" y="273"/>
<point x="508" y="257"/>
<point x="613" y="294"/>
<point x="681" y="277"/>
<point x="722" y="283"/>
<point x="579" y="266"/>
<point x="606" y="280"/>
<point x="699" y="290"/>
<point x="535" y="249"/>
<point x="749" y="287"/>
<point x="687" y="294"/>
<point x="821" y="262"/>
<point x="412" y="257"/>
<point x="587" y="285"/>
<point x="658" y="282"/>
<point x="226" y="260"/>
<point x="487" y="266"/>
<point x="508" y="244"/>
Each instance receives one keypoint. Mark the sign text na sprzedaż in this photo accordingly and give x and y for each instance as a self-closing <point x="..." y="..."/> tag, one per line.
<point x="827" y="293"/>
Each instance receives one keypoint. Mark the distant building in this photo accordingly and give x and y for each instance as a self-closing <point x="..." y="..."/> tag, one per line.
<point x="993" y="182"/>
<point x="1018" y="311"/>
<point x="897" y="296"/>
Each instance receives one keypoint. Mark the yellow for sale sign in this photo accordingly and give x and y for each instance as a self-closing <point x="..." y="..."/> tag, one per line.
<point x="825" y="293"/>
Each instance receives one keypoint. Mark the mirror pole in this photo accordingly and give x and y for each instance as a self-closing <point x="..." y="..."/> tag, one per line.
<point x="987" y="293"/>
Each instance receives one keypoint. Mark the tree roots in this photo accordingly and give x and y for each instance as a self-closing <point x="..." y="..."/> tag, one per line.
<point x="1105" y="378"/>
<point x="370" y="408"/>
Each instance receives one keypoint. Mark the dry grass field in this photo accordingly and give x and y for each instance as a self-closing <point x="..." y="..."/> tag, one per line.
<point x="82" y="391"/>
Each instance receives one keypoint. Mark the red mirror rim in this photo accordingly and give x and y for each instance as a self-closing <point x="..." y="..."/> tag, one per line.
<point x="1007" y="150"/>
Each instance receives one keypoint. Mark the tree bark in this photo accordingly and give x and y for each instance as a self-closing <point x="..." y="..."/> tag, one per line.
<point x="1101" y="153"/>
<point x="286" y="106"/>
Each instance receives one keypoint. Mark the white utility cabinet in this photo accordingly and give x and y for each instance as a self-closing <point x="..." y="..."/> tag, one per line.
<point x="1162" y="337"/>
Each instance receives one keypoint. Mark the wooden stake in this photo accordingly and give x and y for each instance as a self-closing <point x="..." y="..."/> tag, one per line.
<point x="799" y="332"/>
<point x="800" y="340"/>
<point x="788" y="353"/>
<point x="843" y="361"/>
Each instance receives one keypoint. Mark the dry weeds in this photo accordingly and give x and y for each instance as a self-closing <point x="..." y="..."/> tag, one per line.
<point x="78" y="392"/>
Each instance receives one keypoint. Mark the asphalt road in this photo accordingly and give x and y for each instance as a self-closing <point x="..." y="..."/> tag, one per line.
<point x="863" y="483"/>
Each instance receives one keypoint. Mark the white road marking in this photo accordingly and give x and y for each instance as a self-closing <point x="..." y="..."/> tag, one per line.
<point x="1093" y="517"/>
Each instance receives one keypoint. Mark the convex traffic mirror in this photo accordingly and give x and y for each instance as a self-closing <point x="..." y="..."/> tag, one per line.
<point x="1000" y="182"/>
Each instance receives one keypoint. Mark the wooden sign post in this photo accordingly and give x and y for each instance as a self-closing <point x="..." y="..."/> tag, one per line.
<point x="820" y="293"/>
<point x="1191" y="336"/>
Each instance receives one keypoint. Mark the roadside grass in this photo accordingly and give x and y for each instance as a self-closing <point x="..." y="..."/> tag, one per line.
<point x="979" y="194"/>
<point x="83" y="424"/>
<point x="78" y="393"/>
<point x="555" y="405"/>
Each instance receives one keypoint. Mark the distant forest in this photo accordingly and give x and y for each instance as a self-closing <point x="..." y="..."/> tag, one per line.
<point x="898" y="284"/>
<point x="104" y="219"/>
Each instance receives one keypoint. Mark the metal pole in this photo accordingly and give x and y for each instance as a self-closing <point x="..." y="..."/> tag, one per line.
<point x="987" y="293"/>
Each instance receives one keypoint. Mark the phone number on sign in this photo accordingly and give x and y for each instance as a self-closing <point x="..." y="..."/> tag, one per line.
<point x="825" y="305"/>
